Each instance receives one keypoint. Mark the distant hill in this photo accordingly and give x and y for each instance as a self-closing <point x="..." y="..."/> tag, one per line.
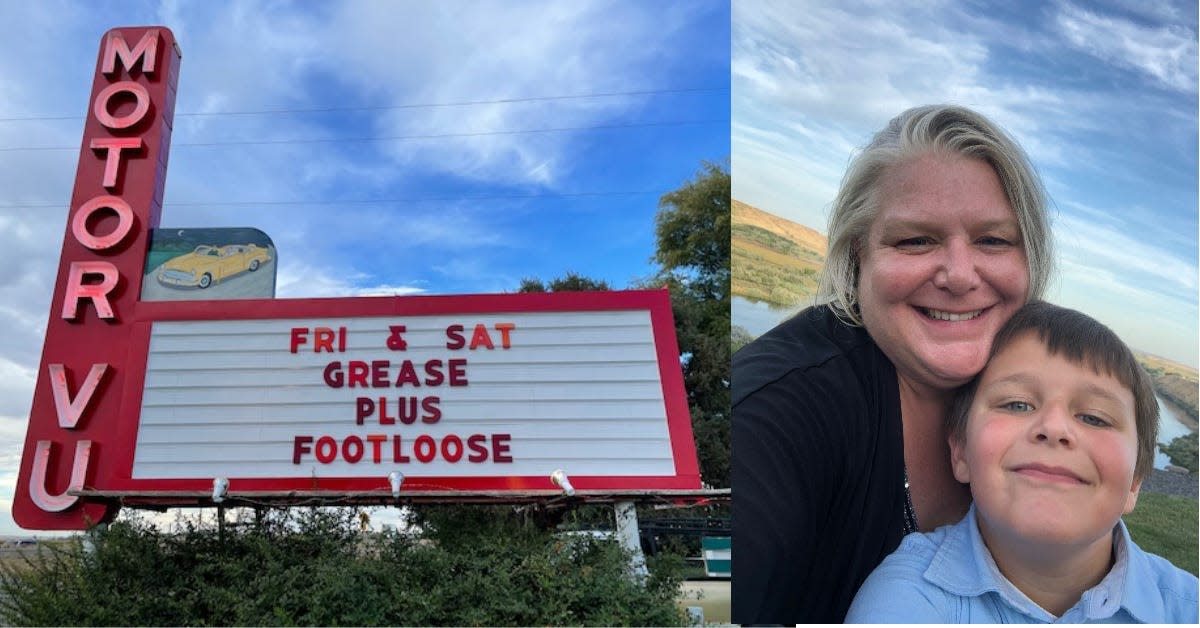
<point x="1175" y="382"/>
<point x="774" y="259"/>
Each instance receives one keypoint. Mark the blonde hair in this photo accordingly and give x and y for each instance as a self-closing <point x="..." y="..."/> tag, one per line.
<point x="918" y="131"/>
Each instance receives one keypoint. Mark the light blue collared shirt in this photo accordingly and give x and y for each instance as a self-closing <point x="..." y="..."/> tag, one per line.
<point x="948" y="576"/>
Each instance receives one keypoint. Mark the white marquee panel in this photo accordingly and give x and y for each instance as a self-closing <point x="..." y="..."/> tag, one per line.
<point x="578" y="391"/>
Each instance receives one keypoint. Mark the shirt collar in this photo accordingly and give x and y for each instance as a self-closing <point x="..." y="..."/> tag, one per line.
<point x="1136" y="591"/>
<point x="963" y="566"/>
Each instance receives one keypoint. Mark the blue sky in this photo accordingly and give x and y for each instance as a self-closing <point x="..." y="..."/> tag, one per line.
<point x="474" y="210"/>
<point x="1103" y="96"/>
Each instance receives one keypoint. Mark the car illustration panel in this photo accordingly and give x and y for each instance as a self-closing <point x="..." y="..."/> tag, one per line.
<point x="209" y="264"/>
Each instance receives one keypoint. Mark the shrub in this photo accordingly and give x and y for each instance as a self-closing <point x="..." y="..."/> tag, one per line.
<point x="1182" y="450"/>
<point x="313" y="567"/>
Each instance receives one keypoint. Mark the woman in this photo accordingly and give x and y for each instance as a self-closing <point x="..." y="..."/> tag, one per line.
<point x="938" y="234"/>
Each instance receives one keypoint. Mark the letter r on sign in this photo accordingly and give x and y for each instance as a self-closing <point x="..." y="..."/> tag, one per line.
<point x="97" y="292"/>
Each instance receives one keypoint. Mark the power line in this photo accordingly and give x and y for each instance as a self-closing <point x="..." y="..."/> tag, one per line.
<point x="465" y="103"/>
<point x="373" y="201"/>
<point x="405" y="137"/>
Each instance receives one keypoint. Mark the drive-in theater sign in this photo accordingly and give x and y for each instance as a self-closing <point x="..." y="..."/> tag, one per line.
<point x="166" y="402"/>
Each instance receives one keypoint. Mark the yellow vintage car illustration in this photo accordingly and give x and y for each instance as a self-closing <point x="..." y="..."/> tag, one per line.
<point x="207" y="264"/>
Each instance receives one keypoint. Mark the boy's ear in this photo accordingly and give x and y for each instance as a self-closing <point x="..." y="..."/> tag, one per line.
<point x="958" y="461"/>
<point x="1131" y="499"/>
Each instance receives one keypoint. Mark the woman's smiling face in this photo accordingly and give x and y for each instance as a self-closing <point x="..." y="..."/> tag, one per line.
<point x="942" y="268"/>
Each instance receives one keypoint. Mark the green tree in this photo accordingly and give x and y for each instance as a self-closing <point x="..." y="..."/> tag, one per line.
<point x="572" y="282"/>
<point x="693" y="233"/>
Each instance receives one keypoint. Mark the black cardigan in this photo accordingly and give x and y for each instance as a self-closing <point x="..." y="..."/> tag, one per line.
<point x="818" y="469"/>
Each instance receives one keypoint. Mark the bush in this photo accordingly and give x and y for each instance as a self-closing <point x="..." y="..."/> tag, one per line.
<point x="1182" y="451"/>
<point x="313" y="567"/>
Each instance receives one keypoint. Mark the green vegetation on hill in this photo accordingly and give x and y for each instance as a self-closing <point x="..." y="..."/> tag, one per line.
<point x="773" y="260"/>
<point x="766" y="238"/>
<point x="760" y="280"/>
<point x="1174" y="382"/>
<point x="1182" y="450"/>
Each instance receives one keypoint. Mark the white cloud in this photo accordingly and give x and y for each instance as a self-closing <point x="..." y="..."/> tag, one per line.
<point x="1146" y="318"/>
<point x="818" y="61"/>
<point x="16" y="387"/>
<point x="300" y="280"/>
<point x="1104" y="246"/>
<point x="812" y="83"/>
<point x="456" y="52"/>
<point x="1166" y="54"/>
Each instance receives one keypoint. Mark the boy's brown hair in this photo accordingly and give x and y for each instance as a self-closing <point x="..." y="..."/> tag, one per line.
<point x="1082" y="340"/>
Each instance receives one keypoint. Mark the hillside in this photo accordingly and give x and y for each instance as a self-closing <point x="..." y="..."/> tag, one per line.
<point x="774" y="260"/>
<point x="1176" y="383"/>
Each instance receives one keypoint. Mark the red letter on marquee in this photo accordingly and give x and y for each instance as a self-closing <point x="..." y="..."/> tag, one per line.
<point x="97" y="292"/>
<point x="100" y="107"/>
<point x="99" y="243"/>
<point x="37" y="480"/>
<point x="116" y="46"/>
<point x="69" y="410"/>
<point x="113" y="147"/>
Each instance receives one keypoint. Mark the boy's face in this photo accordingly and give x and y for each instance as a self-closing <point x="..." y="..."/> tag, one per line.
<point x="1049" y="449"/>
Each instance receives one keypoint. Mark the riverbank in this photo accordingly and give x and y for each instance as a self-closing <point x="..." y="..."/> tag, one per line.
<point x="1180" y="413"/>
<point x="1172" y="483"/>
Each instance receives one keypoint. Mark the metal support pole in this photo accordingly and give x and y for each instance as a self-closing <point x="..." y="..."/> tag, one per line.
<point x="93" y="535"/>
<point x="627" y="535"/>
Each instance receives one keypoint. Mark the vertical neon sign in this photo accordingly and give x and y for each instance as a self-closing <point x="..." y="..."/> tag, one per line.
<point x="117" y="199"/>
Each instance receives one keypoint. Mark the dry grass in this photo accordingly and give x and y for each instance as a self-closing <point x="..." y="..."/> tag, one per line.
<point x="774" y="260"/>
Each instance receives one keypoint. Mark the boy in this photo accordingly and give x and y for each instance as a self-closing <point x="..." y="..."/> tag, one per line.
<point x="1055" y="437"/>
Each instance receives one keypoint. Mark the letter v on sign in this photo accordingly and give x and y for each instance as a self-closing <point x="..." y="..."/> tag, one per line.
<point x="69" y="410"/>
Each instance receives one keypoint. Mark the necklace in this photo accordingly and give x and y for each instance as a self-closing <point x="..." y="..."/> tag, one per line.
<point x="910" y="513"/>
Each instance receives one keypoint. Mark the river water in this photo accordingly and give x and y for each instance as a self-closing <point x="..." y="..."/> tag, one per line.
<point x="758" y="317"/>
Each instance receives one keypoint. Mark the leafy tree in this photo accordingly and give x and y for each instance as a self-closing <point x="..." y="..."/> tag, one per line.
<point x="572" y="282"/>
<point x="692" y="230"/>
<point x="693" y="234"/>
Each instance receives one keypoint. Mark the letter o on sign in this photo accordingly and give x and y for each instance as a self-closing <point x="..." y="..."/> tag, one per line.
<point x="100" y="107"/>
<point x="95" y="242"/>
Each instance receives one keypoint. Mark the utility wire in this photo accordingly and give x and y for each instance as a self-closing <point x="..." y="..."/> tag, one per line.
<point x="374" y="201"/>
<point x="465" y="103"/>
<point x="335" y="140"/>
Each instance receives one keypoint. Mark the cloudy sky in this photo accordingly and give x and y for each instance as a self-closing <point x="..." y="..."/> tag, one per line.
<point x="1103" y="95"/>
<point x="386" y="147"/>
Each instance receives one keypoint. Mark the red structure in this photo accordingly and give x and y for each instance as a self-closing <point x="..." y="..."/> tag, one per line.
<point x="86" y="358"/>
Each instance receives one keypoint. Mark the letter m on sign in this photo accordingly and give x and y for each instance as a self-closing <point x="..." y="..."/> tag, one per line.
<point x="146" y="50"/>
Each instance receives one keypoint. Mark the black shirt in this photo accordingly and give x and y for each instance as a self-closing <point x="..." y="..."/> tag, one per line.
<point x="818" y="469"/>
